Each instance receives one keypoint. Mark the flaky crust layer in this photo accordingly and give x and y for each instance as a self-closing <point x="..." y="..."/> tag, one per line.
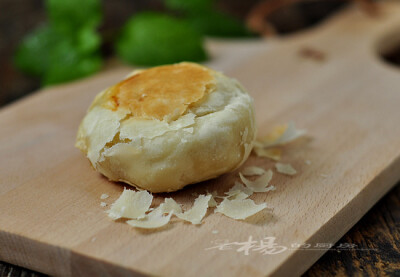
<point x="204" y="131"/>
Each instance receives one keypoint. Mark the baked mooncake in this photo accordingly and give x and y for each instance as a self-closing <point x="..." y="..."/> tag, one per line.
<point x="163" y="128"/>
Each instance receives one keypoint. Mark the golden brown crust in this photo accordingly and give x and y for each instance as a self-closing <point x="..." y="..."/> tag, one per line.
<point x="163" y="92"/>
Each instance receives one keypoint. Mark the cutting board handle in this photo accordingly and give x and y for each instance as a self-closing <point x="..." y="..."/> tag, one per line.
<point x="375" y="34"/>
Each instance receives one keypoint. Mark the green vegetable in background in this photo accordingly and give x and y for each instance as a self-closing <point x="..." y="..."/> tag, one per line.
<point x="65" y="49"/>
<point x="72" y="59"/>
<point x="206" y="19"/>
<point x="218" y="24"/>
<point x="32" y="55"/>
<point x="68" y="46"/>
<point x="153" y="39"/>
<point x="68" y="16"/>
<point x="189" y="6"/>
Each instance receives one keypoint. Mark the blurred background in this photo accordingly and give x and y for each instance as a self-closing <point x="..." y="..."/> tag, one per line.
<point x="48" y="42"/>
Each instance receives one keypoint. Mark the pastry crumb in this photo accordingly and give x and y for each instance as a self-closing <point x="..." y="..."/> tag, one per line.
<point x="285" y="169"/>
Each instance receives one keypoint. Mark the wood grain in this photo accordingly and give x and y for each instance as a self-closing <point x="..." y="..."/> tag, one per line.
<point x="54" y="223"/>
<point x="379" y="229"/>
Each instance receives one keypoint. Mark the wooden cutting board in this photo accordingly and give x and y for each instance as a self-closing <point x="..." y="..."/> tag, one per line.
<point x="330" y="80"/>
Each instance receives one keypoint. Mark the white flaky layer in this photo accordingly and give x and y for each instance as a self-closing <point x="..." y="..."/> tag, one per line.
<point x="213" y="137"/>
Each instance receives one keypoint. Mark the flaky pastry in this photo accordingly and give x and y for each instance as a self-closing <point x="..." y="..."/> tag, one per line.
<point x="165" y="127"/>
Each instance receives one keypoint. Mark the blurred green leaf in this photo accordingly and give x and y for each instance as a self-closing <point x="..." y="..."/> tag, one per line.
<point x="189" y="6"/>
<point x="218" y="24"/>
<point x="32" y="54"/>
<point x="87" y="40"/>
<point x="67" y="62"/>
<point x="68" y="16"/>
<point x="57" y="58"/>
<point x="153" y="39"/>
<point x="205" y="18"/>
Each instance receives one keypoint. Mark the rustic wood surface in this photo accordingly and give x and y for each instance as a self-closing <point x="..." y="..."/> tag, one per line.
<point x="379" y="229"/>
<point x="343" y="198"/>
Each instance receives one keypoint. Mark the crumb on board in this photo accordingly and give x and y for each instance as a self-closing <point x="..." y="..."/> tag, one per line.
<point x="285" y="169"/>
<point x="131" y="204"/>
<point x="239" y="208"/>
<point x="253" y="170"/>
<point x="198" y="211"/>
<point x="261" y="184"/>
